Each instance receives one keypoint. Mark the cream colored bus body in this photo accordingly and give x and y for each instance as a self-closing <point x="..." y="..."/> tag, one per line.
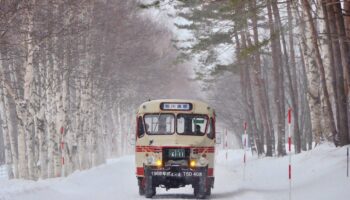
<point x="148" y="144"/>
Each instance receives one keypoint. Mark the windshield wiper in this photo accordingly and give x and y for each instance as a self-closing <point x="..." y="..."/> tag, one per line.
<point x="157" y="123"/>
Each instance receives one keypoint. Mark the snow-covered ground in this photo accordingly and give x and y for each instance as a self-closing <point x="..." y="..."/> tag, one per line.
<point x="3" y="172"/>
<point x="319" y="174"/>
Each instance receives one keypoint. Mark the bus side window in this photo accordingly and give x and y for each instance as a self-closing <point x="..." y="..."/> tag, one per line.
<point x="211" y="129"/>
<point x="141" y="130"/>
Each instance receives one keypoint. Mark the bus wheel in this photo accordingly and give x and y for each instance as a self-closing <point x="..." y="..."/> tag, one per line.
<point x="208" y="191"/>
<point x="201" y="189"/>
<point x="141" y="186"/>
<point x="195" y="190"/>
<point x="150" y="191"/>
<point x="209" y="186"/>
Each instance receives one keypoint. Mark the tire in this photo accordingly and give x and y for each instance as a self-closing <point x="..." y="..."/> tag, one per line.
<point x="150" y="191"/>
<point x="198" y="193"/>
<point x="195" y="190"/>
<point x="201" y="194"/>
<point x="201" y="188"/>
<point x="210" y="183"/>
<point x="154" y="191"/>
<point x="141" y="191"/>
<point x="141" y="187"/>
<point x="208" y="193"/>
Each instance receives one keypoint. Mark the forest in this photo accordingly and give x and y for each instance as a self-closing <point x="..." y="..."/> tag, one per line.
<point x="72" y="73"/>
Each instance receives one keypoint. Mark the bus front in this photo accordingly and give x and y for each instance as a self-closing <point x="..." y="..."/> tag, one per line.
<point x="175" y="146"/>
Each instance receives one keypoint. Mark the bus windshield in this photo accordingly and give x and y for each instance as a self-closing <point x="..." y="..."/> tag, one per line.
<point x="191" y="124"/>
<point x="159" y="124"/>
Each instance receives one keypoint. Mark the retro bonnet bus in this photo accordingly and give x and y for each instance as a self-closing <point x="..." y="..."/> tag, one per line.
<point x="175" y="146"/>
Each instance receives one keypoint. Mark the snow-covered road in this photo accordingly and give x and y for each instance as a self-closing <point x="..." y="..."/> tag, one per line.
<point x="319" y="174"/>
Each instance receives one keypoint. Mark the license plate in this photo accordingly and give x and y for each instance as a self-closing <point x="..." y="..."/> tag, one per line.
<point x="176" y="174"/>
<point x="176" y="153"/>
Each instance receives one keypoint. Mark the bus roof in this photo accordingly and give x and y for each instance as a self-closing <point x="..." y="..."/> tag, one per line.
<point x="189" y="106"/>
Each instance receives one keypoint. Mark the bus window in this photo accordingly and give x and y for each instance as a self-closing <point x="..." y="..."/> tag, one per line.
<point x="159" y="123"/>
<point x="211" y="129"/>
<point x="141" y="130"/>
<point x="191" y="124"/>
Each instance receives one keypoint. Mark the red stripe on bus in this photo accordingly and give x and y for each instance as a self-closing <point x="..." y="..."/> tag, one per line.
<point x="148" y="149"/>
<point x="204" y="151"/>
<point x="159" y="149"/>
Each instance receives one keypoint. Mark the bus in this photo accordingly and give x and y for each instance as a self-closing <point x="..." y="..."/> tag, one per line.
<point x="175" y="146"/>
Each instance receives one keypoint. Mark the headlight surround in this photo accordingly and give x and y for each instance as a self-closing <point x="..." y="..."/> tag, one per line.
<point x="150" y="160"/>
<point x="203" y="161"/>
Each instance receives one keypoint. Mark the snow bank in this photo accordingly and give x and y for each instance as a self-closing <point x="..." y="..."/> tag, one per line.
<point x="114" y="180"/>
<point x="3" y="172"/>
<point x="319" y="174"/>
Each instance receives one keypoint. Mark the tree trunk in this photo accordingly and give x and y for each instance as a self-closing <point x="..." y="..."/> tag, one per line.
<point x="345" y="59"/>
<point x="5" y="121"/>
<point x="260" y="85"/>
<point x="326" y="46"/>
<point x="319" y="63"/>
<point x="278" y="78"/>
<point x="21" y="109"/>
<point x="246" y="83"/>
<point x="340" y="95"/>
<point x="346" y="16"/>
<point x="10" y="111"/>
<point x="313" y="78"/>
<point x="57" y="123"/>
<point x="294" y="98"/>
<point x="40" y="123"/>
<point x="49" y="116"/>
<point x="83" y="131"/>
<point x="292" y="78"/>
<point x="248" y="87"/>
<point x="306" y="125"/>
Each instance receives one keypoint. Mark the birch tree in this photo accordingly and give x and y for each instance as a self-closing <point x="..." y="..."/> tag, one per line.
<point x="5" y="121"/>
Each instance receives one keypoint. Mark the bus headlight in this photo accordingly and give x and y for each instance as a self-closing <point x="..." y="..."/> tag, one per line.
<point x="192" y="163"/>
<point x="159" y="163"/>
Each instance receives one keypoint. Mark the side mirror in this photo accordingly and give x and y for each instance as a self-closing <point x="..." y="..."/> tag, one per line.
<point x="140" y="128"/>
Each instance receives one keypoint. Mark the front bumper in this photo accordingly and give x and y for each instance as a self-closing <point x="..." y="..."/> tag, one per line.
<point x="175" y="177"/>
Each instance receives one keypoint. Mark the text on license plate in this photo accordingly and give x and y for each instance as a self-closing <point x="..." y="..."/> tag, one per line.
<point x="176" y="174"/>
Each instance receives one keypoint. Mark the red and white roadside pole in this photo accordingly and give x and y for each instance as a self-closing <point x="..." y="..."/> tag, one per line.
<point x="245" y="137"/>
<point x="245" y="142"/>
<point x="226" y="147"/>
<point x="290" y="152"/>
<point x="62" y="152"/>
<point x="347" y="162"/>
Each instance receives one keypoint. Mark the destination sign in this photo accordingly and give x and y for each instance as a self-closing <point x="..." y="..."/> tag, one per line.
<point x="176" y="106"/>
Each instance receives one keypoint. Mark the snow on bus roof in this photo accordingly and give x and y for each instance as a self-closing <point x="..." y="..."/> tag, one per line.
<point x="173" y="105"/>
